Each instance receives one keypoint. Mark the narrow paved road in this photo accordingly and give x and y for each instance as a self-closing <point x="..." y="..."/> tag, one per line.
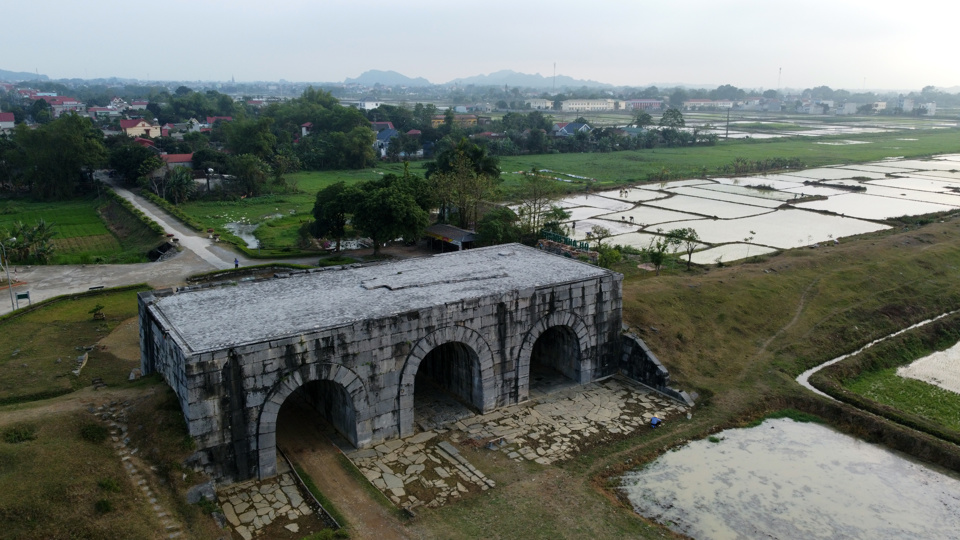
<point x="199" y="254"/>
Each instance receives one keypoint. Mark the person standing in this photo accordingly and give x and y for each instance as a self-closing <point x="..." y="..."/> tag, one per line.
<point x="236" y="263"/>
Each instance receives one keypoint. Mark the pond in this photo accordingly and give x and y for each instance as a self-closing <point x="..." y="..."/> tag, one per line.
<point x="785" y="479"/>
<point x="244" y="231"/>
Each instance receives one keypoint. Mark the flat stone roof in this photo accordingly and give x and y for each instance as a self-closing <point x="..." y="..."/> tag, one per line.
<point x="218" y="317"/>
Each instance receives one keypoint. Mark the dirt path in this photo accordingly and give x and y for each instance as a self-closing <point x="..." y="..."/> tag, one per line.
<point x="74" y="401"/>
<point x="308" y="447"/>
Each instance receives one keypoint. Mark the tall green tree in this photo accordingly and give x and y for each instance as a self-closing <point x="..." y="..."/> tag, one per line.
<point x="385" y="213"/>
<point x="672" y="118"/>
<point x="332" y="209"/>
<point x="251" y="137"/>
<point x="537" y="192"/>
<point x="56" y="160"/>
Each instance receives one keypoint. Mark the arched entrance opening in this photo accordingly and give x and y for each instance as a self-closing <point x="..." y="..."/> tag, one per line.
<point x="317" y="407"/>
<point x="555" y="359"/>
<point x="448" y="385"/>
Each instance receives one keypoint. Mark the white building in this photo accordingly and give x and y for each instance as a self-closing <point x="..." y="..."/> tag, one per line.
<point x="539" y="104"/>
<point x="578" y="105"/>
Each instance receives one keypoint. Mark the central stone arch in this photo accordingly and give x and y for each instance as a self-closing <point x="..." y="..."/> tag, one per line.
<point x="337" y="374"/>
<point x="556" y="319"/>
<point x="484" y="390"/>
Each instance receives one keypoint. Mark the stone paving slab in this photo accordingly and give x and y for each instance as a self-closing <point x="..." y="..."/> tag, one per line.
<point x="252" y="505"/>
<point x="427" y="469"/>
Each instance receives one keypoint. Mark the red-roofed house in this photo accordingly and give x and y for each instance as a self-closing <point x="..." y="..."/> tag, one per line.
<point x="6" y="121"/>
<point x="305" y="128"/>
<point x="211" y="120"/>
<point x="139" y="105"/>
<point x="139" y="127"/>
<point x="177" y="160"/>
<point x="146" y="143"/>
<point x="380" y="126"/>
<point x="414" y="133"/>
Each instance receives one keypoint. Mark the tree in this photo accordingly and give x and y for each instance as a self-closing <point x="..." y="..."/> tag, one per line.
<point x="672" y="118"/>
<point x="642" y="119"/>
<point x="250" y="137"/>
<point x="31" y="243"/>
<point x="250" y="173"/>
<point x="461" y="185"/>
<point x="658" y="249"/>
<point x="180" y="184"/>
<point x="499" y="226"/>
<point x="688" y="239"/>
<point x="599" y="233"/>
<point x="331" y="209"/>
<point x="387" y="212"/>
<point x="54" y="160"/>
<point x="537" y="191"/>
<point x="771" y="94"/>
<point x="128" y="158"/>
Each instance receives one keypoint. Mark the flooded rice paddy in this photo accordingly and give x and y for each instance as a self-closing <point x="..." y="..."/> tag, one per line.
<point x="744" y="216"/>
<point x="941" y="368"/>
<point x="785" y="479"/>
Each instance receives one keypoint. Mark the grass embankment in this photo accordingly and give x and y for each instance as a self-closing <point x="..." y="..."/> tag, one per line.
<point x="60" y="476"/>
<point x="60" y="484"/>
<point x="739" y="336"/>
<point x="869" y="381"/>
<point x="89" y="230"/>
<point x="31" y="343"/>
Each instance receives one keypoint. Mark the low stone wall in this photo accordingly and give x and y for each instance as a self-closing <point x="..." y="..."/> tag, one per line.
<point x="638" y="362"/>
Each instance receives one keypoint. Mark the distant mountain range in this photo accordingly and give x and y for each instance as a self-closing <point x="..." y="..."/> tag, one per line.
<point x="512" y="78"/>
<point x="387" y="78"/>
<point x="499" y="78"/>
<point x="12" y="76"/>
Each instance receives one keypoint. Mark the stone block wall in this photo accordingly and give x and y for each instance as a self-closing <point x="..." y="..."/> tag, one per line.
<point x="231" y="397"/>
<point x="638" y="362"/>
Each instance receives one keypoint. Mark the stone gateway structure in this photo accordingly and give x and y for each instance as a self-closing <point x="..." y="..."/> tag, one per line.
<point x="353" y="343"/>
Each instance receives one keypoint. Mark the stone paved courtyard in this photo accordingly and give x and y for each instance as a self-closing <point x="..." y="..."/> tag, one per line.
<point x="427" y="468"/>
<point x="253" y="505"/>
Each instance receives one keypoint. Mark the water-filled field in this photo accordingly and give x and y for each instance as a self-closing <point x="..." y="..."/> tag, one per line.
<point x="941" y="368"/>
<point x="784" y="479"/>
<point x="744" y="216"/>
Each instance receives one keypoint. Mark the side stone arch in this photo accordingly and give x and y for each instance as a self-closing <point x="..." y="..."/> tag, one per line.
<point x="267" y="423"/>
<point x="484" y="393"/>
<point x="554" y="319"/>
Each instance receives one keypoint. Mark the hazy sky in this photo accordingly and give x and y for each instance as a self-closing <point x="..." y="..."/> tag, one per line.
<point x="839" y="43"/>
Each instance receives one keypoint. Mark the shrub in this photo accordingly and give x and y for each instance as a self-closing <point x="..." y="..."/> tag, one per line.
<point x="109" y="485"/>
<point x="93" y="432"/>
<point x="19" y="433"/>
<point x="103" y="506"/>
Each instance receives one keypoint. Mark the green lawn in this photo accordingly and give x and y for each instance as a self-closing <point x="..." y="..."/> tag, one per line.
<point x="31" y="344"/>
<point x="283" y="214"/>
<point x="910" y="396"/>
<point x="88" y="229"/>
<point x="625" y="167"/>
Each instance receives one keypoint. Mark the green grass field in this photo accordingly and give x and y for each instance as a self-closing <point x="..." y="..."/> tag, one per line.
<point x="910" y="396"/>
<point x="31" y="344"/>
<point x="88" y="229"/>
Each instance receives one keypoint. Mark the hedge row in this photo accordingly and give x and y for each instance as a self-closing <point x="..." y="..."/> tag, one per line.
<point x="173" y="211"/>
<point x="136" y="212"/>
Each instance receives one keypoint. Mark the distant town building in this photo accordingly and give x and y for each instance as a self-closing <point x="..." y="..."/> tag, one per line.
<point x="643" y="104"/>
<point x="539" y="104"/>
<point x="588" y="105"/>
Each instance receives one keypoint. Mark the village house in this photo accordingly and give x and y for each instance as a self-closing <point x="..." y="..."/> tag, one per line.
<point x="643" y="104"/>
<point x="6" y="121"/>
<point x="138" y="127"/>
<point x="539" y="104"/>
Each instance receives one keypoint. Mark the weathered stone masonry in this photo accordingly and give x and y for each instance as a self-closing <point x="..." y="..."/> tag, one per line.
<point x="350" y="342"/>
